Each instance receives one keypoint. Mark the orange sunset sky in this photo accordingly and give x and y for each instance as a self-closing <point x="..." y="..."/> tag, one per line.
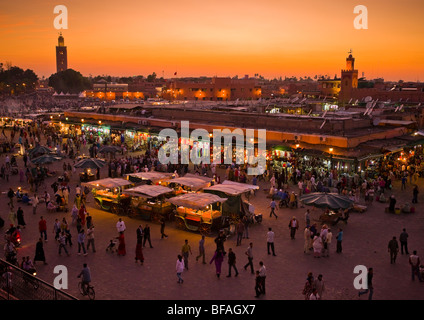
<point x="217" y="37"/>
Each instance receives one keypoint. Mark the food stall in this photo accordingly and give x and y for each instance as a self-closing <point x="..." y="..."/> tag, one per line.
<point x="108" y="194"/>
<point x="149" y="202"/>
<point x="188" y="183"/>
<point x="235" y="207"/>
<point x="151" y="177"/>
<point x="200" y="212"/>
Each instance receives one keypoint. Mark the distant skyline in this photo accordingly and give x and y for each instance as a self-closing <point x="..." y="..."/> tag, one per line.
<point x="272" y="38"/>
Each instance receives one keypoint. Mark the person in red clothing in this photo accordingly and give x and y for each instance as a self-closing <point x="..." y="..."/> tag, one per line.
<point x="82" y="214"/>
<point x="42" y="227"/>
<point x="121" y="247"/>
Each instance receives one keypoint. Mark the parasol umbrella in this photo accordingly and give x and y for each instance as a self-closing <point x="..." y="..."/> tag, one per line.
<point x="46" y="158"/>
<point x="91" y="163"/>
<point x="39" y="150"/>
<point x="332" y="201"/>
<point x="109" y="149"/>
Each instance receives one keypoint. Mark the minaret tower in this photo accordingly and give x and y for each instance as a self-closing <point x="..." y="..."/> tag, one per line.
<point x="61" y="55"/>
<point x="349" y="79"/>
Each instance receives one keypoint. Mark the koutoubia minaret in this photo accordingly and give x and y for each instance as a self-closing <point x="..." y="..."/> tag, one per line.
<point x="349" y="80"/>
<point x="61" y="55"/>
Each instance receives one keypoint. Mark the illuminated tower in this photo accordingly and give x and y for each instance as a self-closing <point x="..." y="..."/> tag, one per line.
<point x="349" y="80"/>
<point x="61" y="55"/>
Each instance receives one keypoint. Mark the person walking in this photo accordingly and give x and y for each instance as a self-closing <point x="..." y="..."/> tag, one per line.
<point x="262" y="275"/>
<point x="88" y="220"/>
<point x="414" y="261"/>
<point x="393" y="249"/>
<point x="293" y="226"/>
<point x="180" y="268"/>
<point x="240" y="232"/>
<point x="218" y="257"/>
<point x="162" y="229"/>
<point x="323" y="233"/>
<point x="249" y="254"/>
<point x="56" y="228"/>
<point x="246" y="222"/>
<point x="185" y="252"/>
<point x="34" y="202"/>
<point x="146" y="235"/>
<point x="201" y="250"/>
<point x="258" y="284"/>
<point x="307" y="218"/>
<point x="403" y="239"/>
<point x="39" y="252"/>
<point x="81" y="242"/>
<point x="42" y="227"/>
<point x="219" y="241"/>
<point x="90" y="238"/>
<point x="370" y="288"/>
<point x="231" y="262"/>
<point x="20" y="217"/>
<point x="273" y="207"/>
<point x="415" y="194"/>
<point x="139" y="246"/>
<point x="339" y="238"/>
<point x="308" y="287"/>
<point x="307" y="236"/>
<point x="328" y="242"/>
<point x="317" y="245"/>
<point x="74" y="214"/>
<point x="121" y="247"/>
<point x="270" y="241"/>
<point x="11" y="195"/>
<point x="62" y="243"/>
<point x="319" y="286"/>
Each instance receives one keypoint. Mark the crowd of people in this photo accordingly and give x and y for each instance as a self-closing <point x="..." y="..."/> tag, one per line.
<point x="64" y="196"/>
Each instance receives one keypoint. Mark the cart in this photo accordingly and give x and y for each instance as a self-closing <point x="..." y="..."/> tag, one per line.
<point x="235" y="207"/>
<point x="151" y="177"/>
<point x="200" y="212"/>
<point x="188" y="183"/>
<point x="108" y="194"/>
<point x="149" y="202"/>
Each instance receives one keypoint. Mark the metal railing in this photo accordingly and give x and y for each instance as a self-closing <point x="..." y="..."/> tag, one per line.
<point x="17" y="284"/>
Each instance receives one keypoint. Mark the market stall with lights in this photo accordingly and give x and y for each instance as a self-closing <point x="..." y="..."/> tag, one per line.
<point x="108" y="194"/>
<point x="200" y="212"/>
<point x="150" y="202"/>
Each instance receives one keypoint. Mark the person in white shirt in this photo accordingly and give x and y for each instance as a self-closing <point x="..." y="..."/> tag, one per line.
<point x="270" y="241"/>
<point x="180" y="268"/>
<point x="120" y="226"/>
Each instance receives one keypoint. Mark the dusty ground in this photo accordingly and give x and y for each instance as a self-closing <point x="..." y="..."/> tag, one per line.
<point x="365" y="243"/>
